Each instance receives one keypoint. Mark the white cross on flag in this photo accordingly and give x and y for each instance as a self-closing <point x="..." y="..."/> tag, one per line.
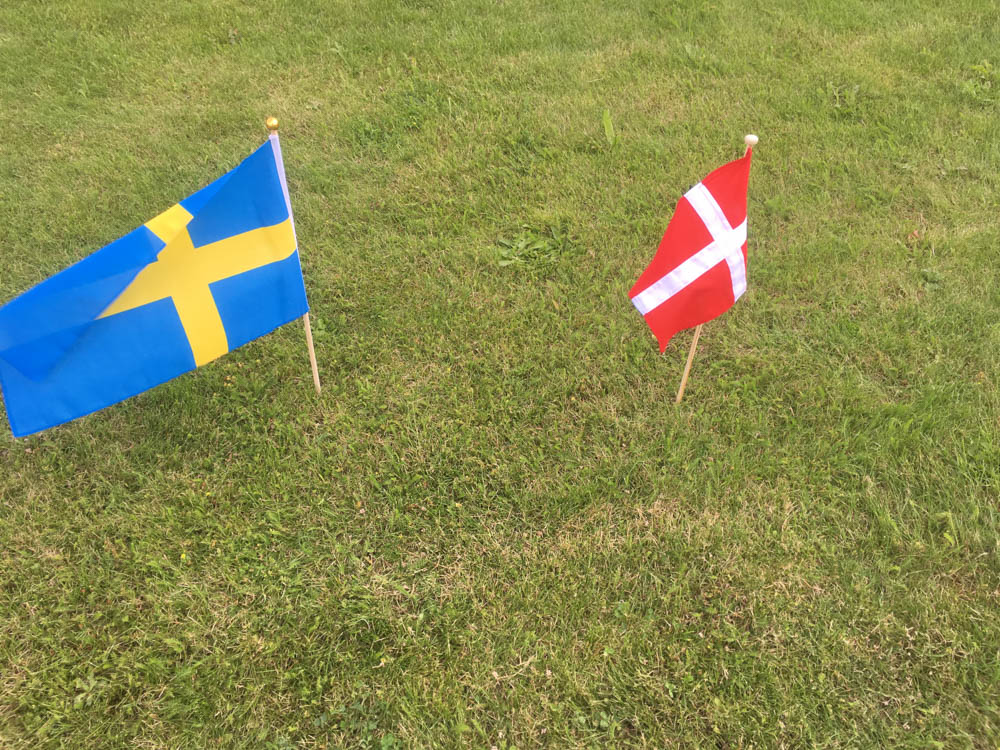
<point x="700" y="268"/>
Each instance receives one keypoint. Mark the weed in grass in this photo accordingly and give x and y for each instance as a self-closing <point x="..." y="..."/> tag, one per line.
<point x="982" y="83"/>
<point x="609" y="129"/>
<point x="537" y="246"/>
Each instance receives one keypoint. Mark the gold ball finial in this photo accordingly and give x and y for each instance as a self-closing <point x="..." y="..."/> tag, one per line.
<point x="272" y="123"/>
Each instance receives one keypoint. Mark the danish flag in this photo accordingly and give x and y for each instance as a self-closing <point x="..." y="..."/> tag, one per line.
<point x="700" y="268"/>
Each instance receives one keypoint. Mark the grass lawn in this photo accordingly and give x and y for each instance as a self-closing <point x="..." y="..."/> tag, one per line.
<point x="494" y="528"/>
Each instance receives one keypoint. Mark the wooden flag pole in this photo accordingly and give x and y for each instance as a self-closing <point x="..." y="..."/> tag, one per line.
<point x="687" y="367"/>
<point x="750" y="140"/>
<point x="272" y="126"/>
<point x="312" y="353"/>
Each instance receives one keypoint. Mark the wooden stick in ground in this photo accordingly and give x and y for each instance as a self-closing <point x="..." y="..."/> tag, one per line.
<point x="312" y="352"/>
<point x="687" y="367"/>
<point x="272" y="127"/>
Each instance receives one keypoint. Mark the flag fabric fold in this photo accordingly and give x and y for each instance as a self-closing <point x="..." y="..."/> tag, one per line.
<point x="211" y="273"/>
<point x="700" y="267"/>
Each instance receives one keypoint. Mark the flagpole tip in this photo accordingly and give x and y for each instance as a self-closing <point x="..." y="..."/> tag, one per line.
<point x="272" y="124"/>
<point x="750" y="139"/>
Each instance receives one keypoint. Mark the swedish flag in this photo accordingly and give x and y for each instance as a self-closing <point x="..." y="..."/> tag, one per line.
<point x="206" y="276"/>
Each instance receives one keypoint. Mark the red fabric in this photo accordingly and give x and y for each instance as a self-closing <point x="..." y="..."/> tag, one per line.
<point x="712" y="293"/>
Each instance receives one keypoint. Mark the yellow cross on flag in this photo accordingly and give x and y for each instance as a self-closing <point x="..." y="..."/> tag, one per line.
<point x="183" y="273"/>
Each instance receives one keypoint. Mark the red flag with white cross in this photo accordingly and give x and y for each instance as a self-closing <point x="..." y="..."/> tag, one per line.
<point x="700" y="268"/>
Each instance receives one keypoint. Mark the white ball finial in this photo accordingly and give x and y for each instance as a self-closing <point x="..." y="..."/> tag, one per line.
<point x="750" y="139"/>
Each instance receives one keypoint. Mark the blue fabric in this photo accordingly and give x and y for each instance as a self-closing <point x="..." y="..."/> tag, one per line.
<point x="117" y="357"/>
<point x="251" y="198"/>
<point x="59" y="361"/>
<point x="196" y="201"/>
<point x="38" y="327"/>
<point x="256" y="302"/>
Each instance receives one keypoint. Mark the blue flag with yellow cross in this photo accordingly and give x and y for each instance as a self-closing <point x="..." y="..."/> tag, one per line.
<point x="211" y="273"/>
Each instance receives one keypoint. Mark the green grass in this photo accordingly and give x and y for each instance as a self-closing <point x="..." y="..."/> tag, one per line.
<point x="495" y="528"/>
